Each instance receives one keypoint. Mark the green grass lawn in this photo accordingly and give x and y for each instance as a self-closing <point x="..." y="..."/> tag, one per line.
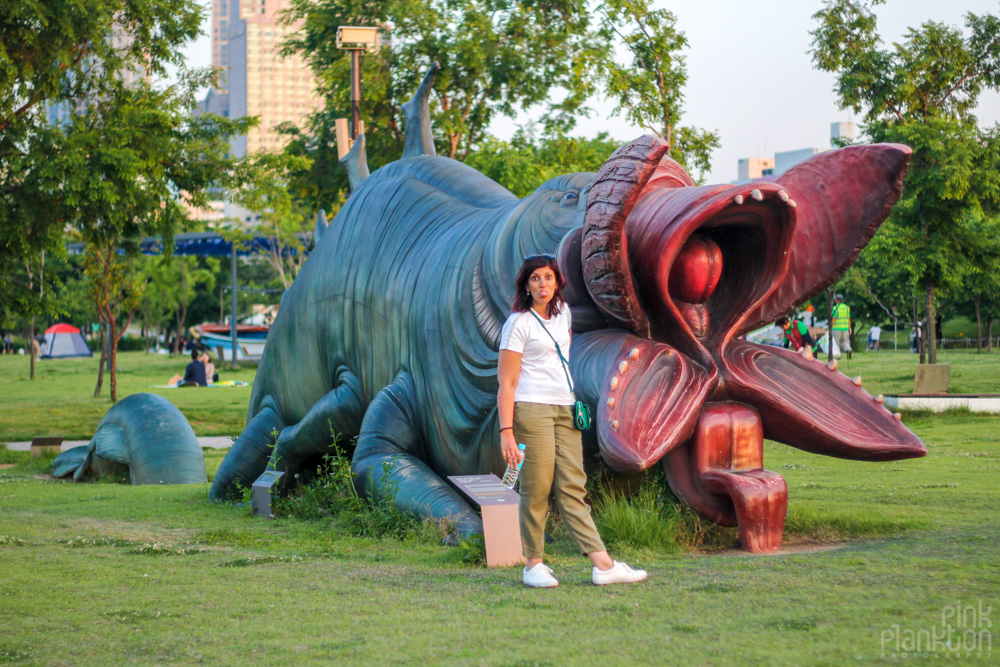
<point x="59" y="401"/>
<point x="101" y="573"/>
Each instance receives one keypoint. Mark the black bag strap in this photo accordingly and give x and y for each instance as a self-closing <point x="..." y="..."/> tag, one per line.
<point x="565" y="364"/>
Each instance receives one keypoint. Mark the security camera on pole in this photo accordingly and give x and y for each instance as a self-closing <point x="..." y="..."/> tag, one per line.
<point x="355" y="39"/>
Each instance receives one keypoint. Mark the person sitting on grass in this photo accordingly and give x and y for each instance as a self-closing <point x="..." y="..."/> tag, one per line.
<point x="194" y="374"/>
<point x="210" y="375"/>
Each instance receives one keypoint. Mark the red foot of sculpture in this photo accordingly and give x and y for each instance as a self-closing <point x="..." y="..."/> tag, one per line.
<point x="719" y="473"/>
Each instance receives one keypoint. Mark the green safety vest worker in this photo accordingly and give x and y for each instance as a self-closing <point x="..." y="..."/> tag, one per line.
<point x="841" y="317"/>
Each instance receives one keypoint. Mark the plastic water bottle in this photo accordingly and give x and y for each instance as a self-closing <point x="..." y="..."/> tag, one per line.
<point x="510" y="477"/>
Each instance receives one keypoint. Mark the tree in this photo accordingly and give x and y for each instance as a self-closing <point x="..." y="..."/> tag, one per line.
<point x="267" y="186"/>
<point x="648" y="90"/>
<point x="116" y="294"/>
<point x="68" y="51"/>
<point x="525" y="162"/>
<point x="188" y="277"/>
<point x="127" y="155"/>
<point x="981" y="283"/>
<point x="922" y="93"/>
<point x="496" y="56"/>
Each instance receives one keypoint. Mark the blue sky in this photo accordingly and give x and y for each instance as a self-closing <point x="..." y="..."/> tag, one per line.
<point x="750" y="76"/>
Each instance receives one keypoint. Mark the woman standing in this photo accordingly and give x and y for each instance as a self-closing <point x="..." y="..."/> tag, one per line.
<point x="535" y="408"/>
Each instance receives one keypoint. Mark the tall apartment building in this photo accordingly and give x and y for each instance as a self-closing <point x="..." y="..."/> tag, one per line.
<point x="247" y="36"/>
<point x="246" y="40"/>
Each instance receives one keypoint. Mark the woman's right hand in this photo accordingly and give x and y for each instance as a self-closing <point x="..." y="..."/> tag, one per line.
<point x="508" y="446"/>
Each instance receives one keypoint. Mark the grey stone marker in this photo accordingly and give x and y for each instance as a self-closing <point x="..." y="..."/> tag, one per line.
<point x="262" y="490"/>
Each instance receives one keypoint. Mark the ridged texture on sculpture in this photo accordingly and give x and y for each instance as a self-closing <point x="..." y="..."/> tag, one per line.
<point x="390" y="332"/>
<point x="144" y="435"/>
<point x="605" y="250"/>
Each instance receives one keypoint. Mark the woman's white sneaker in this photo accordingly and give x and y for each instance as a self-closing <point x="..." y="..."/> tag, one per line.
<point x="539" y="576"/>
<point x="620" y="573"/>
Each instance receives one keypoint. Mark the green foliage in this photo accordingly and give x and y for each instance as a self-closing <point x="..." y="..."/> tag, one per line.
<point x="126" y="159"/>
<point x="525" y="162"/>
<point x="70" y="52"/>
<point x="921" y="92"/>
<point x="640" y="520"/>
<point x="268" y="183"/>
<point x="497" y="57"/>
<point x="473" y="549"/>
<point x="331" y="494"/>
<point x="648" y="88"/>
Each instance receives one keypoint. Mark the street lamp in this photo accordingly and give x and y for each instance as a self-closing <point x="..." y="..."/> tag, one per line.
<point x="357" y="39"/>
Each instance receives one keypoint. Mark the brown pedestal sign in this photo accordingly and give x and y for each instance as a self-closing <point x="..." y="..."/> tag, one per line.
<point x="498" y="505"/>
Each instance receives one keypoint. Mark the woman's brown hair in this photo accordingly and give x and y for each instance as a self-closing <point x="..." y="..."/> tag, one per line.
<point x="522" y="298"/>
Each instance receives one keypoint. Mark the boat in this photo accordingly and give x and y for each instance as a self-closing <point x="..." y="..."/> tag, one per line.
<point x="250" y="340"/>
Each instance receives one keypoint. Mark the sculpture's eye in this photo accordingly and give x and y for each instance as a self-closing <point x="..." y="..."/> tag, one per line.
<point x="569" y="199"/>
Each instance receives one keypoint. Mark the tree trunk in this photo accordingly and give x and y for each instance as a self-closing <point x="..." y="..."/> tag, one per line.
<point x="100" y="367"/>
<point x="931" y="324"/>
<point x="113" y="358"/>
<point x="31" y="347"/>
<point x="107" y="354"/>
<point x="979" y="325"/>
<point x="989" y="336"/>
<point x="177" y="342"/>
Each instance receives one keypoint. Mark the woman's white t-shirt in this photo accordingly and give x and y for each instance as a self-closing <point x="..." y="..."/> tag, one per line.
<point x="542" y="379"/>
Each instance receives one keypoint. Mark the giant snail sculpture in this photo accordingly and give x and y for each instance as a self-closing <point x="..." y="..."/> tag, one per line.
<point x="391" y="330"/>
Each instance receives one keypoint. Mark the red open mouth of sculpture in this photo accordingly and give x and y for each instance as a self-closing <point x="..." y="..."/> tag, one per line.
<point x="684" y="271"/>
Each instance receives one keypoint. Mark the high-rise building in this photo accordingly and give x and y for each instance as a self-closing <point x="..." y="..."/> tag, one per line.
<point x="220" y="37"/>
<point x="256" y="80"/>
<point x="247" y="36"/>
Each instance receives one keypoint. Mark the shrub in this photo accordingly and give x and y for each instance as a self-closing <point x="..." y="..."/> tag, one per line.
<point x="639" y="520"/>
<point x="331" y="494"/>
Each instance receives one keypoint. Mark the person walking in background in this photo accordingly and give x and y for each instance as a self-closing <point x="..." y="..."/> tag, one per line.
<point x="874" y="334"/>
<point x="842" y="325"/>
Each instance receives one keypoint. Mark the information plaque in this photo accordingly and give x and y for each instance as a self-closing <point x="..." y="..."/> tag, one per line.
<point x="498" y="506"/>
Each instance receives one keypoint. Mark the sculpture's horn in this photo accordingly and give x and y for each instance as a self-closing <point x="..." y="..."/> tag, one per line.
<point x="418" y="139"/>
<point x="605" y="255"/>
<point x="321" y="225"/>
<point x="356" y="163"/>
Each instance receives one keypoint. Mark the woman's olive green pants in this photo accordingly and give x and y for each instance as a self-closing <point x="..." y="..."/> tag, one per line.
<point x="553" y="462"/>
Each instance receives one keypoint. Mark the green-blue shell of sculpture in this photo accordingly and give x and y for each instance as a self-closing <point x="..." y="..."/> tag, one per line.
<point x="144" y="433"/>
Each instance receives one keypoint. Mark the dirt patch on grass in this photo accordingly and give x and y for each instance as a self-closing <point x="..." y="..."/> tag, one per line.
<point x="7" y="465"/>
<point x="132" y="531"/>
<point x="786" y="549"/>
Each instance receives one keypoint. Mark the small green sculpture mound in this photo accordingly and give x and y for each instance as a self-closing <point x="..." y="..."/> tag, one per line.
<point x="145" y="435"/>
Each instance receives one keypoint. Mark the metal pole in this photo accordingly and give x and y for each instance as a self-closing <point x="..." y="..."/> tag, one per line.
<point x="829" y="328"/>
<point x="355" y="92"/>
<point x="232" y="312"/>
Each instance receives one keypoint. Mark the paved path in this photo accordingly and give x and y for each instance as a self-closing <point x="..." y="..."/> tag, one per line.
<point x="211" y="442"/>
